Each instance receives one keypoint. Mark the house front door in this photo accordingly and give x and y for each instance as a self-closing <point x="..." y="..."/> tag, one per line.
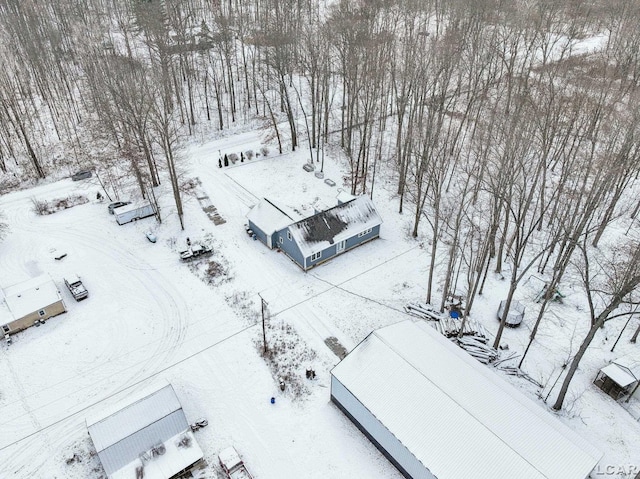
<point x="340" y="246"/>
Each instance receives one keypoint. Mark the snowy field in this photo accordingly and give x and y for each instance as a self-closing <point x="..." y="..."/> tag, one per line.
<point x="150" y="317"/>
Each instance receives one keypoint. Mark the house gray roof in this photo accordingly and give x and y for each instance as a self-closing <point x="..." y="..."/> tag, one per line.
<point x="456" y="416"/>
<point x="124" y="437"/>
<point x="336" y="224"/>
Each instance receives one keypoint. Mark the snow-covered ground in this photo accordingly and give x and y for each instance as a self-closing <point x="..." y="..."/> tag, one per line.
<point x="149" y="317"/>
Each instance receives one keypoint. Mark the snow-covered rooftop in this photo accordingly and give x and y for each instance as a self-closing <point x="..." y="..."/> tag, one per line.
<point x="459" y="418"/>
<point x="130" y="207"/>
<point x="269" y="217"/>
<point x="5" y="314"/>
<point x="319" y="231"/>
<point x="123" y="436"/>
<point x="624" y="371"/>
<point x="176" y="457"/>
<point x="31" y="295"/>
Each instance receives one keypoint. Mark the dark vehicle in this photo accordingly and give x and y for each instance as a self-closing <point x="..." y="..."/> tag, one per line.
<point x="81" y="175"/>
<point x="117" y="204"/>
<point x="199" y="424"/>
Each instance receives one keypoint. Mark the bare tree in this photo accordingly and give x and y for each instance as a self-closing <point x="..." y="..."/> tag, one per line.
<point x="622" y="273"/>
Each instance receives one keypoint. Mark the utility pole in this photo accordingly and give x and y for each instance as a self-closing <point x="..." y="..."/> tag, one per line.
<point x="264" y="333"/>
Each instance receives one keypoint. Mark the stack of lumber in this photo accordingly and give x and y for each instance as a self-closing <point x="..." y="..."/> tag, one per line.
<point x="451" y="327"/>
<point x="513" y="371"/>
<point x="424" y="311"/>
<point x="478" y="348"/>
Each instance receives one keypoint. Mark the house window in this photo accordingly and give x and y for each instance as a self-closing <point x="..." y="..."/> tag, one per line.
<point x="280" y="239"/>
<point x="5" y="328"/>
<point x="364" y="233"/>
<point x="289" y="235"/>
<point x="316" y="256"/>
<point x="41" y="313"/>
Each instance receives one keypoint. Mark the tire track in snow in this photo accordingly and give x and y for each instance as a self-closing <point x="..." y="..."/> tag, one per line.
<point x="167" y="317"/>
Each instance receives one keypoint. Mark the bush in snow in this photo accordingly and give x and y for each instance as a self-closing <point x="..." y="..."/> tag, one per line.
<point x="233" y="157"/>
<point x="42" y="207"/>
<point x="287" y="356"/>
<point x="264" y="150"/>
<point x="248" y="154"/>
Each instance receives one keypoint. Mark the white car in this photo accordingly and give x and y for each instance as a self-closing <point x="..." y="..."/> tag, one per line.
<point x="150" y="236"/>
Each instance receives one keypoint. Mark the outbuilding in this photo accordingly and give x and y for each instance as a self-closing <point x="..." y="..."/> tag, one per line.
<point x="435" y="412"/>
<point x="620" y="378"/>
<point x="148" y="437"/>
<point x="29" y="303"/>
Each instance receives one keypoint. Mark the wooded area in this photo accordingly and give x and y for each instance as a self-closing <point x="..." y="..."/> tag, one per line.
<point x="510" y="128"/>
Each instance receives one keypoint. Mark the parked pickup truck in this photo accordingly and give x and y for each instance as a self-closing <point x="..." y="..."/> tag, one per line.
<point x="232" y="465"/>
<point x="194" y="252"/>
<point x="76" y="287"/>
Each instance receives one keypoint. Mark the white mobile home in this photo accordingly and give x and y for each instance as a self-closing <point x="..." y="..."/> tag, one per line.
<point x="436" y="412"/>
<point x="128" y="213"/>
<point x="28" y="303"/>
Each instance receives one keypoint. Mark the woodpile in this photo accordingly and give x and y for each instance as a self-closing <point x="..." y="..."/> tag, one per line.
<point x="514" y="371"/>
<point x="424" y="311"/>
<point x="473" y="340"/>
<point x="477" y="347"/>
<point x="451" y="328"/>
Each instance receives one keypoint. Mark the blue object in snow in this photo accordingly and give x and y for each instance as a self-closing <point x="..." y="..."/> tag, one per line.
<point x="273" y="400"/>
<point x="454" y="314"/>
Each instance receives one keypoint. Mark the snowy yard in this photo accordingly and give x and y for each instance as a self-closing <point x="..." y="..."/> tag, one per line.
<point x="149" y="317"/>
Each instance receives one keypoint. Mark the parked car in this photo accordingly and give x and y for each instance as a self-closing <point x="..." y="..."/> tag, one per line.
<point x="76" y="287"/>
<point x="117" y="204"/>
<point x="194" y="252"/>
<point x="150" y="236"/>
<point x="199" y="424"/>
<point x="81" y="175"/>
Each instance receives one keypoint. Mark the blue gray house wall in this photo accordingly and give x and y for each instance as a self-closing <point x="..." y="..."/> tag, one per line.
<point x="386" y="442"/>
<point x="290" y="247"/>
<point x="261" y="235"/>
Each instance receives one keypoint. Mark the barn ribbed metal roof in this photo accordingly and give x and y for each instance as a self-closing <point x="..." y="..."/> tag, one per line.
<point x="124" y="435"/>
<point x="455" y="415"/>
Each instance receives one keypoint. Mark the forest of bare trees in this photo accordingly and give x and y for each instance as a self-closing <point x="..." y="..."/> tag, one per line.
<point x="510" y="129"/>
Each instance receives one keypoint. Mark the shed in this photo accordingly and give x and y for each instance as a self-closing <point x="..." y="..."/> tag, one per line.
<point x="436" y="412"/>
<point x="620" y="378"/>
<point x="320" y="237"/>
<point x="149" y="435"/>
<point x="515" y="315"/>
<point x="30" y="302"/>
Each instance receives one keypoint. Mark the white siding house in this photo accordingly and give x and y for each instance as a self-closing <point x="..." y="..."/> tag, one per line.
<point x="435" y="412"/>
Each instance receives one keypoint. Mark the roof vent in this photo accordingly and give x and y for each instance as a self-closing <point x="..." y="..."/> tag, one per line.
<point x="158" y="450"/>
